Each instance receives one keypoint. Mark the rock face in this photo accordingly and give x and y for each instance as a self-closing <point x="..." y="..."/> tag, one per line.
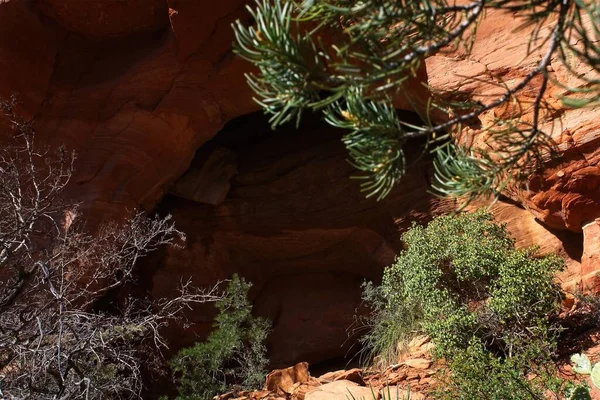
<point x="565" y="195"/>
<point x="295" y="225"/>
<point x="284" y="381"/>
<point x="590" y="260"/>
<point x="339" y="390"/>
<point x="106" y="19"/>
<point x="528" y="231"/>
<point x="137" y="87"/>
<point x="27" y="63"/>
<point x="134" y="87"/>
<point x="413" y="377"/>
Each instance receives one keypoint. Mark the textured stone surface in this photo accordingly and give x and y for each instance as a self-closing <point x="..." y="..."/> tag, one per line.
<point x="207" y="180"/>
<point x="566" y="194"/>
<point x="108" y="79"/>
<point x="339" y="390"/>
<point x="529" y="231"/>
<point x="590" y="261"/>
<point x="353" y="375"/>
<point x="394" y="382"/>
<point x="282" y="381"/>
<point x="395" y="393"/>
<point x="296" y="226"/>
<point x="134" y="87"/>
<point x="137" y="87"/>
<point x="28" y="47"/>
<point x="418" y="363"/>
<point x="107" y="18"/>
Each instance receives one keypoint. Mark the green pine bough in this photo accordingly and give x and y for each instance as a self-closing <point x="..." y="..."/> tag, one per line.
<point x="349" y="59"/>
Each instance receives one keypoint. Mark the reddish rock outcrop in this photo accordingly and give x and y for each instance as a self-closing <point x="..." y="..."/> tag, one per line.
<point x="28" y="47"/>
<point x="137" y="87"/>
<point x="413" y="377"/>
<point x="590" y="260"/>
<point x="339" y="390"/>
<point x="285" y="381"/>
<point x="127" y="91"/>
<point x="566" y="194"/>
<point x="528" y="232"/>
<point x="295" y="225"/>
<point x="109" y="18"/>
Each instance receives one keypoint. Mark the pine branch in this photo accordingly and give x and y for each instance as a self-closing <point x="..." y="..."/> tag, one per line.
<point x="374" y="47"/>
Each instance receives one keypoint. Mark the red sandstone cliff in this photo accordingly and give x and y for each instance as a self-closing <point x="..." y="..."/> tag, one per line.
<point x="137" y="87"/>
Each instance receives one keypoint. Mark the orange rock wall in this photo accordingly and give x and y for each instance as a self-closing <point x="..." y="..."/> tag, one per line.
<point x="566" y="193"/>
<point x="133" y="87"/>
<point x="137" y="87"/>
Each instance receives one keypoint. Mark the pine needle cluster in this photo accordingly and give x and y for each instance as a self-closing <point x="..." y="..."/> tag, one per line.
<point x="350" y="60"/>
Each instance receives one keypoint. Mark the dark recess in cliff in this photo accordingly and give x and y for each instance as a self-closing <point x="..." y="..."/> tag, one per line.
<point x="293" y="223"/>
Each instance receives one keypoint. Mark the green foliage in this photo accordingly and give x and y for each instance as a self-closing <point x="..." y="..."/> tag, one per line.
<point x="583" y="365"/>
<point x="351" y="59"/>
<point x="234" y="355"/>
<point x="485" y="305"/>
<point x="373" y="142"/>
<point x="477" y="373"/>
<point x="471" y="282"/>
<point x="580" y="393"/>
<point x="389" y="328"/>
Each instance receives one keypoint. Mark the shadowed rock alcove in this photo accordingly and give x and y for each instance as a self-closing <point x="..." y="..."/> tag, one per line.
<point x="280" y="209"/>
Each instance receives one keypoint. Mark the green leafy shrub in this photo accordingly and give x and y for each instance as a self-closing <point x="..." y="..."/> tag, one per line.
<point x="389" y="328"/>
<point x="485" y="304"/>
<point x="234" y="355"/>
<point x="471" y="282"/>
<point x="477" y="373"/>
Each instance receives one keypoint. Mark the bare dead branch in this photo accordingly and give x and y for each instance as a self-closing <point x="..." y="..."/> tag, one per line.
<point x="53" y="345"/>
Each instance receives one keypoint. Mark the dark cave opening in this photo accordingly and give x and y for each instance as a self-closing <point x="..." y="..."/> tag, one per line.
<point x="285" y="185"/>
<point x="289" y="218"/>
<point x="261" y="225"/>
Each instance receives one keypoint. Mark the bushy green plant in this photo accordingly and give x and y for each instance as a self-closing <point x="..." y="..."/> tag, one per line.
<point x="389" y="329"/>
<point x="472" y="283"/>
<point x="234" y="355"/>
<point x="477" y="373"/>
<point x="485" y="304"/>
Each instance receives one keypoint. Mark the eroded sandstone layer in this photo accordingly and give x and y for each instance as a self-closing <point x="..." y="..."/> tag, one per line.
<point x="138" y="88"/>
<point x="294" y="223"/>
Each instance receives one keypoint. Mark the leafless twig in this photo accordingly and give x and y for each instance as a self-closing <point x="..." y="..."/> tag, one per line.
<point x="53" y="344"/>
